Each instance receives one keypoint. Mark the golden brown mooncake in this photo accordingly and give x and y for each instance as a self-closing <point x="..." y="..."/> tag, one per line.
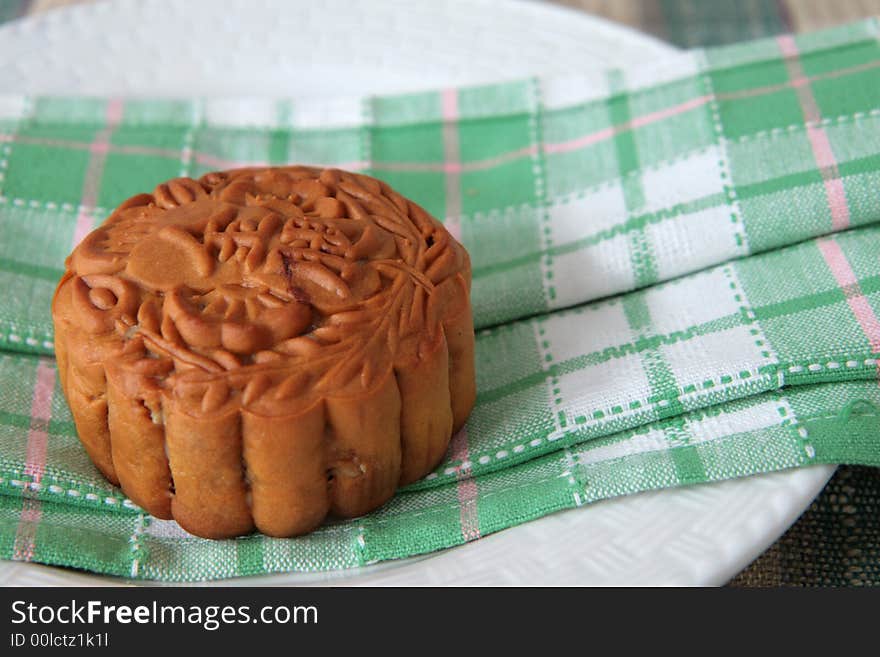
<point x="263" y="347"/>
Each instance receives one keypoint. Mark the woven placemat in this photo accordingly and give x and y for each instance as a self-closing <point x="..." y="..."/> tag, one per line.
<point x="836" y="542"/>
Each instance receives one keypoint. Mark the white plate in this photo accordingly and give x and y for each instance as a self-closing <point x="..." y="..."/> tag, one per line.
<point x="690" y="536"/>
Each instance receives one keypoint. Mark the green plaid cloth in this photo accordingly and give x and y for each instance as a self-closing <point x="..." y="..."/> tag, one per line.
<point x="676" y="280"/>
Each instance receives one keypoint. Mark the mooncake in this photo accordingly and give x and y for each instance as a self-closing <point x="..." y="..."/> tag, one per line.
<point x="264" y="347"/>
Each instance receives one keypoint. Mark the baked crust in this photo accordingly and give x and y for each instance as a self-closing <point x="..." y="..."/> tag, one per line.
<point x="263" y="347"/>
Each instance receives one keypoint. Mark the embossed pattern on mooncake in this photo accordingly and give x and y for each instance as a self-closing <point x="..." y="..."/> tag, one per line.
<point x="263" y="347"/>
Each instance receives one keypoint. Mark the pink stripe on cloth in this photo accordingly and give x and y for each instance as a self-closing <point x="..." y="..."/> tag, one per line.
<point x="92" y="182"/>
<point x="834" y="190"/>
<point x="451" y="161"/>
<point x="637" y="122"/>
<point x="823" y="153"/>
<point x="41" y="414"/>
<point x="581" y="142"/>
<point x="846" y="279"/>
<point x="114" y="111"/>
<point x="24" y="544"/>
<point x="449" y="104"/>
<point x="659" y="115"/>
<point x="798" y="81"/>
<point x="467" y="488"/>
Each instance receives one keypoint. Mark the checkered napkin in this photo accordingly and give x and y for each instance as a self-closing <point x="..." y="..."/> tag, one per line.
<point x="676" y="280"/>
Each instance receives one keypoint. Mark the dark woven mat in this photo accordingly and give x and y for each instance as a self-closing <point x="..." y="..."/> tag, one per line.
<point x="836" y="542"/>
